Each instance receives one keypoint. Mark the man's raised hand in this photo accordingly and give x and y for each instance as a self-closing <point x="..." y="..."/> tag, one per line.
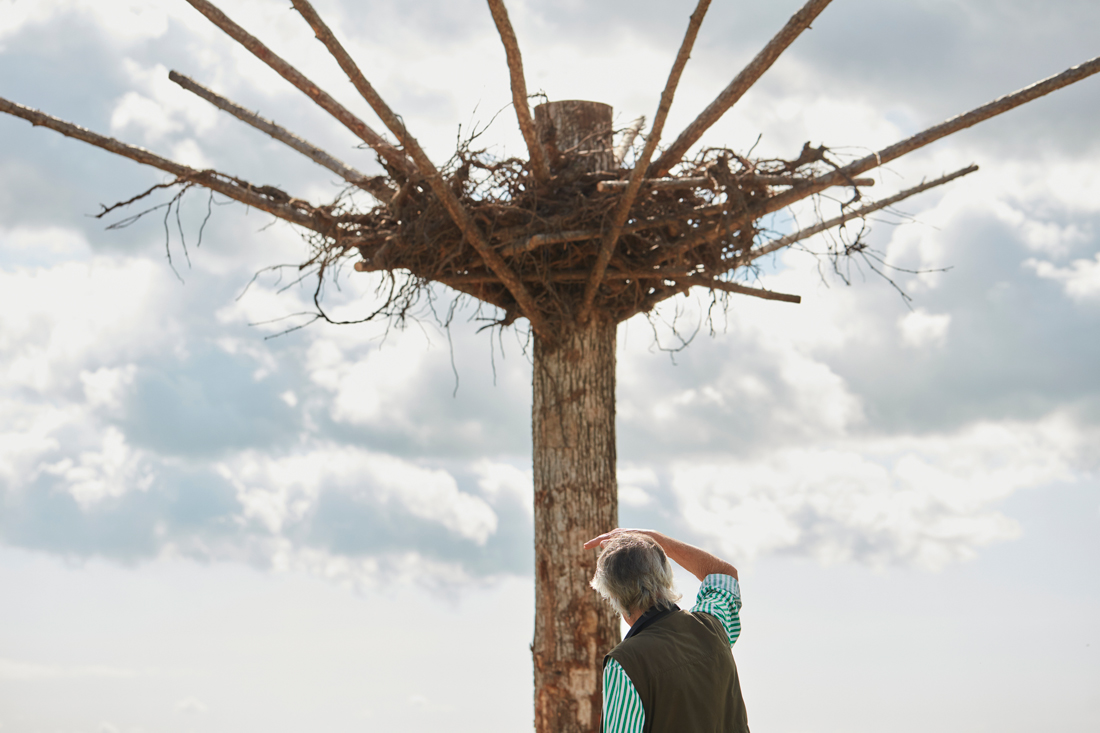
<point x="603" y="538"/>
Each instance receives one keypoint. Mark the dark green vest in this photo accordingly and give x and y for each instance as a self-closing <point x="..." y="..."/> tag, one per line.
<point x="683" y="669"/>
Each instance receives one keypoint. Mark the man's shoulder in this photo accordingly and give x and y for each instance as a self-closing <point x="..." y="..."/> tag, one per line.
<point x="675" y="629"/>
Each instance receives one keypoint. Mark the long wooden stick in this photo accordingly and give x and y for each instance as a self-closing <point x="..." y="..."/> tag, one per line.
<point x="729" y="287"/>
<point x="362" y="130"/>
<point x="741" y="83"/>
<point x="539" y="165"/>
<point x="572" y="276"/>
<point x="908" y="145"/>
<point x="376" y="186"/>
<point x="434" y="178"/>
<point x="664" y="184"/>
<point x="259" y="197"/>
<point x="859" y="213"/>
<point x="532" y="242"/>
<point x="934" y="133"/>
<point x="622" y="209"/>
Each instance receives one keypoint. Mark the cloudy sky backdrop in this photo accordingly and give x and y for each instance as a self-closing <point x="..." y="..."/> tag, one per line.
<point x="206" y="529"/>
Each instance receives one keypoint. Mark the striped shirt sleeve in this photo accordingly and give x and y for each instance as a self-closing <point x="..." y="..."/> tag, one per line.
<point x="622" y="707"/>
<point x="720" y="596"/>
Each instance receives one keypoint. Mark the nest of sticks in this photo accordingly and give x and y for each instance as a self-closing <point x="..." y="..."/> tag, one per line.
<point x="550" y="234"/>
<point x="570" y="232"/>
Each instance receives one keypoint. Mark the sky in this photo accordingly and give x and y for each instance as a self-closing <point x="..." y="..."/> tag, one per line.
<point x="208" y="526"/>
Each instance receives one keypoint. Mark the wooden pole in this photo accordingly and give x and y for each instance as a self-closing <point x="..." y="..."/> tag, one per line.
<point x="573" y="452"/>
<point x="580" y="128"/>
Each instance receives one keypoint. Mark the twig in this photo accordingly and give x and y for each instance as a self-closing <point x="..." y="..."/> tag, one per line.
<point x="539" y="165"/>
<point x="234" y="188"/>
<point x="392" y="155"/>
<point x="628" y="139"/>
<point x="443" y="191"/>
<point x="376" y="186"/>
<point x="854" y="214"/>
<point x="622" y="210"/>
<point x="133" y="199"/>
<point x="741" y="83"/>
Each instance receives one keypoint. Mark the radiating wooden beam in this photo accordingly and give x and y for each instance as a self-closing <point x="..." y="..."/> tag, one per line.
<point x="431" y="174"/>
<point x="934" y="133"/>
<point x="264" y="198"/>
<point x="858" y="213"/>
<point x="816" y="185"/>
<point x="374" y="185"/>
<point x="394" y="157"/>
<point x="741" y="83"/>
<point x="539" y="165"/>
<point x="622" y="209"/>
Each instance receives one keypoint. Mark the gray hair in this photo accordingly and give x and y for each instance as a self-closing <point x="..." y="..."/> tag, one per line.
<point x="633" y="574"/>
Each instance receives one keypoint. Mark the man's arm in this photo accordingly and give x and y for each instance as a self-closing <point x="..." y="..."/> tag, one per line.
<point x="695" y="560"/>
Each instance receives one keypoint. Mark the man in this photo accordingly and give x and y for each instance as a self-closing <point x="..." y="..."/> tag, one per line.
<point x="674" y="670"/>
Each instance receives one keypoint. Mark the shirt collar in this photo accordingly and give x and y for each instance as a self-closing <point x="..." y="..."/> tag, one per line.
<point x="654" y="614"/>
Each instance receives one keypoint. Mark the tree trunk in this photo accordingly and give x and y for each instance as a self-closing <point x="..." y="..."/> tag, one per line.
<point x="576" y="495"/>
<point x="575" y="500"/>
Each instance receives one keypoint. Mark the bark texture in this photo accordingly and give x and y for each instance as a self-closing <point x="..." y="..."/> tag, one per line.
<point x="578" y="127"/>
<point x="576" y="495"/>
<point x="576" y="498"/>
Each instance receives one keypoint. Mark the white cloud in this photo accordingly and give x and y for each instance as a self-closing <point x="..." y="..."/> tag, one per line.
<point x="126" y="21"/>
<point x="56" y="323"/>
<point x="921" y="500"/>
<point x="76" y="337"/>
<point x="135" y="110"/>
<point x="366" y="572"/>
<point x="275" y="491"/>
<point x="111" y="471"/>
<point x="43" y="244"/>
<point x="496" y="478"/>
<point x="104" y="388"/>
<point x="633" y="484"/>
<point x="1081" y="280"/>
<point x="920" y="329"/>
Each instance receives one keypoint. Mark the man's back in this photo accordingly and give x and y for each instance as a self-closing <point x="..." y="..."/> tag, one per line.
<point x="682" y="669"/>
<point x="674" y="671"/>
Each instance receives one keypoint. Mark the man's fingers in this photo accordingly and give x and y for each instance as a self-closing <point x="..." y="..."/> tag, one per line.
<point x="602" y="538"/>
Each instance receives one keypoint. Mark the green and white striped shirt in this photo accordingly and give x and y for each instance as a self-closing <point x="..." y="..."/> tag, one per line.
<point x="720" y="596"/>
